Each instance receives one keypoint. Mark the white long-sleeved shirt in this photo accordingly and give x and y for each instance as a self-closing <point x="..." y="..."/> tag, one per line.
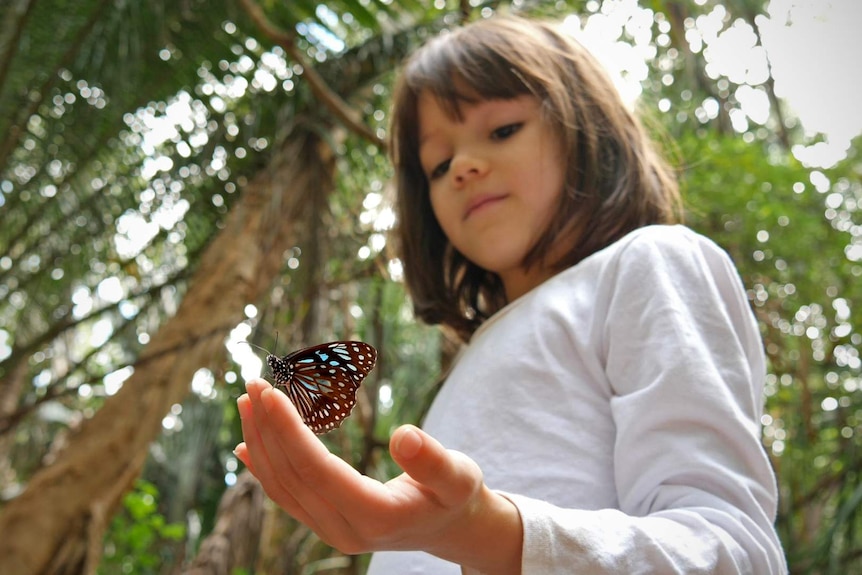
<point x="618" y="406"/>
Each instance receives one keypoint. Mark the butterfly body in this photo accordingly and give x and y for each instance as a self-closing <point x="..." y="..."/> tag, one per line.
<point x="321" y="381"/>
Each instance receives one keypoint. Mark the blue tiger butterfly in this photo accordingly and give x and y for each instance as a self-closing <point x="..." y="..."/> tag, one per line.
<point x="322" y="380"/>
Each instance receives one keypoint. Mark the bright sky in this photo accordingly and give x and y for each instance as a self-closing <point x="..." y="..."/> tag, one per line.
<point x="811" y="47"/>
<point x="816" y="66"/>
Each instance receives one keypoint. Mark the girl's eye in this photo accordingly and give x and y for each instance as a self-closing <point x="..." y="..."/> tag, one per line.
<point x="439" y="170"/>
<point x="505" y="131"/>
<point x="501" y="133"/>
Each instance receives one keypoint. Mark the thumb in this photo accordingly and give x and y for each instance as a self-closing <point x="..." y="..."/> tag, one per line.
<point x="452" y="476"/>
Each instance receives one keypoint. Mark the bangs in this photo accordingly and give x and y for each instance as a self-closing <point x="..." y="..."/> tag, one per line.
<point x="460" y="68"/>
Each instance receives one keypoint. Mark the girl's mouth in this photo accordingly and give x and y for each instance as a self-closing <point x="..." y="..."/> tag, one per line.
<point x="482" y="201"/>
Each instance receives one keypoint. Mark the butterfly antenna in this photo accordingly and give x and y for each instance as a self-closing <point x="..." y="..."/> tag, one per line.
<point x="257" y="346"/>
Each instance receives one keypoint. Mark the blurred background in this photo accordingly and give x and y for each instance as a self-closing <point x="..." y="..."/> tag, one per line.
<point x="177" y="177"/>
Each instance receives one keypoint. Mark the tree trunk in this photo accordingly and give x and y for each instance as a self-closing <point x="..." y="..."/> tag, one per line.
<point x="234" y="541"/>
<point x="57" y="524"/>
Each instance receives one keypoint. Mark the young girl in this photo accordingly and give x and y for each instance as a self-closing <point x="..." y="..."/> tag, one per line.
<point x="604" y="416"/>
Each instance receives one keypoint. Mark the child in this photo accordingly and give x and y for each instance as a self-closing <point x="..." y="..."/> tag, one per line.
<point x="604" y="417"/>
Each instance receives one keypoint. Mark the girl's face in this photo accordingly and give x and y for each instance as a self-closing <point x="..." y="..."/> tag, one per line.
<point x="495" y="179"/>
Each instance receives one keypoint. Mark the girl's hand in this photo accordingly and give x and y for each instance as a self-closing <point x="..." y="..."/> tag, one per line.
<point x="439" y="504"/>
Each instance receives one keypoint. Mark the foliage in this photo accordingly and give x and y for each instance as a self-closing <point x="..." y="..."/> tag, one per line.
<point x="140" y="539"/>
<point x="791" y="248"/>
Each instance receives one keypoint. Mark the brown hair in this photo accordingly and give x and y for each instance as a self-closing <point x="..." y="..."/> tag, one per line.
<point x="615" y="180"/>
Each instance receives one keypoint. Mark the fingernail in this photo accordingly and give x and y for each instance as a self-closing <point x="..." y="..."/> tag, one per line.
<point x="267" y="399"/>
<point x="242" y="406"/>
<point x="409" y="443"/>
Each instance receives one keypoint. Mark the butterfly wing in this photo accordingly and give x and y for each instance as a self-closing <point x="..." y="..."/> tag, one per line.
<point x="321" y="381"/>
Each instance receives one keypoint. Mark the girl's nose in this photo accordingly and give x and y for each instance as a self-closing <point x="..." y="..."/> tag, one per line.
<point x="466" y="167"/>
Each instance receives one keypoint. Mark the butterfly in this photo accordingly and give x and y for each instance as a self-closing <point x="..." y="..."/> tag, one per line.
<point x="322" y="380"/>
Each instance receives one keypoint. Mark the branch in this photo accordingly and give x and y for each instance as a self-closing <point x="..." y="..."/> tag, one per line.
<point x="58" y="387"/>
<point x="678" y="11"/>
<point x="14" y="41"/>
<point x="348" y="116"/>
<point x="67" y="322"/>
<point x="465" y="9"/>
<point x="777" y="107"/>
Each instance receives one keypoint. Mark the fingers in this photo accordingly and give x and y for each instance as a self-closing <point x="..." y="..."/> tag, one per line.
<point x="346" y="509"/>
<point x="450" y="475"/>
<point x="300" y="473"/>
<point x="325" y="485"/>
<point x="256" y="456"/>
<point x="285" y="431"/>
<point x="241" y="453"/>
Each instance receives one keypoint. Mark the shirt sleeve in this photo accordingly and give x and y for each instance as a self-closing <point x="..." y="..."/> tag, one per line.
<point x="684" y="361"/>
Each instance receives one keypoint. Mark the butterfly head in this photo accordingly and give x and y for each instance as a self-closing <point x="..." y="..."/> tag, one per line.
<point x="281" y="369"/>
<point x="272" y="361"/>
